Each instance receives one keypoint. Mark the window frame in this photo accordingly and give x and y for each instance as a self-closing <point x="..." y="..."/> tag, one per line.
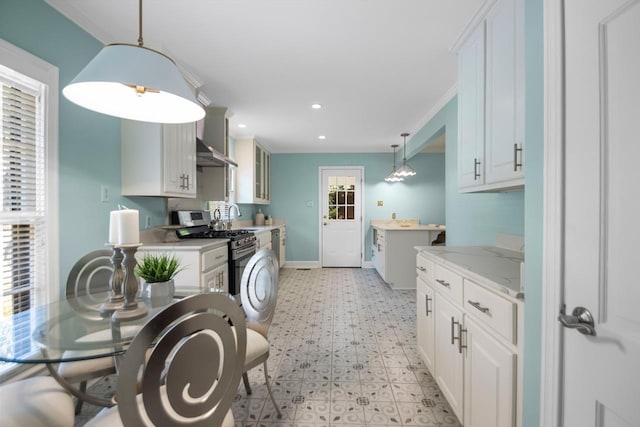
<point x="36" y="68"/>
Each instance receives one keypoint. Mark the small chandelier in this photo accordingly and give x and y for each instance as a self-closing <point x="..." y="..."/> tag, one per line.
<point x="405" y="169"/>
<point x="393" y="176"/>
<point x="134" y="82"/>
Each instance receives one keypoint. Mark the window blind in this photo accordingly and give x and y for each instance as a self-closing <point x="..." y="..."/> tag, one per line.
<point x="22" y="218"/>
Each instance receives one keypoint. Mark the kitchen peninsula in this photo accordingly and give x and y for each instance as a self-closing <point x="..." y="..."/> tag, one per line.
<point x="393" y="253"/>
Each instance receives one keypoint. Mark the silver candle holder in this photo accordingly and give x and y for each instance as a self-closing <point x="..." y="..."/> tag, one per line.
<point x="129" y="309"/>
<point x="115" y="298"/>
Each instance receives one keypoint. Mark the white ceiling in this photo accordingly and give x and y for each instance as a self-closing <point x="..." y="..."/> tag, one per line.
<point x="378" y="67"/>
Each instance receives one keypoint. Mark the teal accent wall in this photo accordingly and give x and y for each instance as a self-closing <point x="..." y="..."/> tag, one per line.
<point x="534" y="212"/>
<point x="89" y="143"/>
<point x="472" y="218"/>
<point x="295" y="182"/>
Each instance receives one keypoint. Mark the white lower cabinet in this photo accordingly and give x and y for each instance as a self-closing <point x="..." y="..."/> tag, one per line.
<point x="426" y="323"/>
<point x="469" y="337"/>
<point x="489" y="379"/>
<point x="449" y="356"/>
<point x="202" y="268"/>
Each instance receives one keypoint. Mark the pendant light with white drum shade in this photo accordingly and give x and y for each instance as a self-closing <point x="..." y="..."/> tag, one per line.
<point x="405" y="169"/>
<point x="134" y="82"/>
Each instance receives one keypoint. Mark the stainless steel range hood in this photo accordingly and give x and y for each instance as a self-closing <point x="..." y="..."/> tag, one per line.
<point x="208" y="156"/>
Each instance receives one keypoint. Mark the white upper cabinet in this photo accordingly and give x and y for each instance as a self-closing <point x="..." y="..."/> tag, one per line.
<point x="471" y="110"/>
<point x="253" y="172"/>
<point x="158" y="159"/>
<point x="491" y="99"/>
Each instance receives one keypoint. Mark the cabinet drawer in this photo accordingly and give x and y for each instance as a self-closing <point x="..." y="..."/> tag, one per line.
<point x="426" y="269"/>
<point x="494" y="311"/>
<point x="448" y="283"/>
<point x="214" y="258"/>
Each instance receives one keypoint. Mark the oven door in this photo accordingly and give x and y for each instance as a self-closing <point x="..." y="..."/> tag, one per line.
<point x="237" y="266"/>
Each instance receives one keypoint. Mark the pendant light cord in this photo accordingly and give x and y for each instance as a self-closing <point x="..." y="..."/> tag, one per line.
<point x="140" y="42"/>
<point x="404" y="147"/>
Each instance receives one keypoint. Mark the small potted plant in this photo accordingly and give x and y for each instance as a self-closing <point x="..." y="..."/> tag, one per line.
<point x="158" y="272"/>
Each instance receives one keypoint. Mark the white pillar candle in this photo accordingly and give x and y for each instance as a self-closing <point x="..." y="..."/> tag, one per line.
<point x="128" y="230"/>
<point x="114" y="227"/>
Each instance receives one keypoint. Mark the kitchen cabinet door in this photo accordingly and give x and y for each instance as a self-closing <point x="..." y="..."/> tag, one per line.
<point x="217" y="278"/>
<point x="504" y="113"/>
<point x="489" y="380"/>
<point x="158" y="159"/>
<point x="449" y="359"/>
<point x="471" y="111"/>
<point x="426" y="324"/>
<point x="253" y="172"/>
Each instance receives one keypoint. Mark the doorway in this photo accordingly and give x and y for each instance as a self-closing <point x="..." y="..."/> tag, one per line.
<point x="341" y="216"/>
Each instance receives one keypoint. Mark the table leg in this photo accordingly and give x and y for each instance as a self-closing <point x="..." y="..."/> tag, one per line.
<point x="74" y="391"/>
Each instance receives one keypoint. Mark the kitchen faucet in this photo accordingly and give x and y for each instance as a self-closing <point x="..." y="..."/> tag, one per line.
<point x="232" y="205"/>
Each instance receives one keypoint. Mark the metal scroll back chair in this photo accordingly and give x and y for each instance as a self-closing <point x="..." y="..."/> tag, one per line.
<point x="87" y="285"/>
<point x="192" y="373"/>
<point x="259" y="292"/>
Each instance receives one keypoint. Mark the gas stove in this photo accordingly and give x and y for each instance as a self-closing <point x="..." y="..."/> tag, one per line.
<point x="238" y="238"/>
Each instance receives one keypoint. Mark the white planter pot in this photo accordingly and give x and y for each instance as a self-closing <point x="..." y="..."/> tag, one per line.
<point x="158" y="294"/>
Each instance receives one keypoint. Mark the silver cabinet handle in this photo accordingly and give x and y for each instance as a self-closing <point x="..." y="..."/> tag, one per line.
<point x="476" y="169"/>
<point x="443" y="283"/>
<point x="426" y="303"/>
<point x="580" y="319"/>
<point x="477" y="305"/>
<point x="460" y="331"/>
<point x="516" y="150"/>
<point x="188" y="183"/>
<point x="453" y="329"/>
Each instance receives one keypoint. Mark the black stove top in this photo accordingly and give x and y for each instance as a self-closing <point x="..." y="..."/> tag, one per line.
<point x="204" y="232"/>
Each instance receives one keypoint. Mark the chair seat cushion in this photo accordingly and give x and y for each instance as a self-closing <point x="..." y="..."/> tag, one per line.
<point x="35" y="402"/>
<point x="257" y="346"/>
<point x="89" y="367"/>
<point x="109" y="417"/>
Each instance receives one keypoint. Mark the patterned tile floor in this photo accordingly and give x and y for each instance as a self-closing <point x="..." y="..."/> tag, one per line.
<point x="343" y="353"/>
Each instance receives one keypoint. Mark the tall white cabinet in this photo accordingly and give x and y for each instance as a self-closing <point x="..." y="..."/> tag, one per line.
<point x="491" y="99"/>
<point x="158" y="159"/>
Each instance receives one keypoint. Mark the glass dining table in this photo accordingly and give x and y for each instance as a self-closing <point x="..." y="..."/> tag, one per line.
<point x="47" y="335"/>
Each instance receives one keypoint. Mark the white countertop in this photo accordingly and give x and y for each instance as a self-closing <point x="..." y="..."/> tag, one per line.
<point x="185" y="245"/>
<point x="404" y="225"/>
<point x="496" y="267"/>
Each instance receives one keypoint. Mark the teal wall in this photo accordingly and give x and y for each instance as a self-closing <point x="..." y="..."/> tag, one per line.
<point x="89" y="143"/>
<point x="534" y="212"/>
<point x="294" y="182"/>
<point x="472" y="218"/>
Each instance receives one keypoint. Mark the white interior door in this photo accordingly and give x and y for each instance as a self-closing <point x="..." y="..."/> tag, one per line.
<point x="602" y="212"/>
<point x="341" y="222"/>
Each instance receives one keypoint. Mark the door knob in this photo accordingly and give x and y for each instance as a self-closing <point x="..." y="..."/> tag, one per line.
<point x="580" y="319"/>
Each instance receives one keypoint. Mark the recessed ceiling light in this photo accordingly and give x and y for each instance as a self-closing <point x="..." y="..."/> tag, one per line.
<point x="242" y="125"/>
<point x="322" y="137"/>
<point x="316" y="106"/>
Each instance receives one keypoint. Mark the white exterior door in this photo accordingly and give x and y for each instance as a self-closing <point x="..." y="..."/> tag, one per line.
<point x="341" y="222"/>
<point x="601" y="372"/>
